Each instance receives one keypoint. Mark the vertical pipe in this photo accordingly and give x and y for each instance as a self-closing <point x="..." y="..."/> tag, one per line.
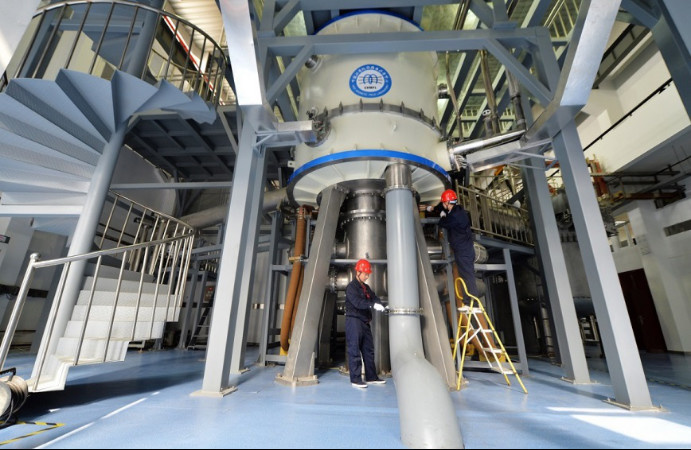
<point x="129" y="37"/>
<point x="186" y="316"/>
<point x="83" y="237"/>
<point x="427" y="416"/>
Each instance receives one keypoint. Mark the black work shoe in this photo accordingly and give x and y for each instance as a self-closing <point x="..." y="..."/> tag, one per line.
<point x="376" y="381"/>
<point x="359" y="385"/>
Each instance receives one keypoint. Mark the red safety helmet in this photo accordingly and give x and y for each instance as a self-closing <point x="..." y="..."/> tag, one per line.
<point x="363" y="266"/>
<point x="449" y="196"/>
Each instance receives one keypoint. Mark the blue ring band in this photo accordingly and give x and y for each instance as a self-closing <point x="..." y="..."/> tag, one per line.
<point x="373" y="154"/>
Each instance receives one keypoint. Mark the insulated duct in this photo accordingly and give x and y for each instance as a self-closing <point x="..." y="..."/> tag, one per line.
<point x="375" y="109"/>
<point x="214" y="216"/>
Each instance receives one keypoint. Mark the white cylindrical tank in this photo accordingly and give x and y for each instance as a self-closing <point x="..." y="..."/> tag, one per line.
<point x="379" y="109"/>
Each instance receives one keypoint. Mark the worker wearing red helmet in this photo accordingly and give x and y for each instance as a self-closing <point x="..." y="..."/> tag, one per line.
<point x="360" y="300"/>
<point x="456" y="221"/>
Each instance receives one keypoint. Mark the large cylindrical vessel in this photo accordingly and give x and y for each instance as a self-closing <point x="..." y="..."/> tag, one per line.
<point x="364" y="226"/>
<point x="375" y="109"/>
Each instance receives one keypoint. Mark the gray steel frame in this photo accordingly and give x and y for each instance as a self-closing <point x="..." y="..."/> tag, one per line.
<point x="299" y="368"/>
<point x="227" y="335"/>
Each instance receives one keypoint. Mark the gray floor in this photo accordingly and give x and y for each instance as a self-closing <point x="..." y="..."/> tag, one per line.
<point x="145" y="402"/>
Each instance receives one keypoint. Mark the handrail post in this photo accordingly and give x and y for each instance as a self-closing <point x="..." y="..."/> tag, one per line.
<point x="17" y="309"/>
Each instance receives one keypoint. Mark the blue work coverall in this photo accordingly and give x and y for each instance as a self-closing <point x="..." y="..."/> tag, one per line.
<point x="457" y="225"/>
<point x="359" y="302"/>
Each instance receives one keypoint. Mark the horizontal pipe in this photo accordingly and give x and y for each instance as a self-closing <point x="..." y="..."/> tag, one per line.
<point x="463" y="148"/>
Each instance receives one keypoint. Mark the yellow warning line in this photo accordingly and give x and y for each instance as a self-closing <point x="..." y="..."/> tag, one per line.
<point x="50" y="426"/>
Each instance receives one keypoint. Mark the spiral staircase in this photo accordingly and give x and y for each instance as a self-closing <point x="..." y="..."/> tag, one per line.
<point x="52" y="134"/>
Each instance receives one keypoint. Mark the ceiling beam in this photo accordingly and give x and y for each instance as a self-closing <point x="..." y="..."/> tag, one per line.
<point x="241" y="51"/>
<point x="398" y="42"/>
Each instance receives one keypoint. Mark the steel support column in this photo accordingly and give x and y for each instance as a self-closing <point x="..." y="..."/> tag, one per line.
<point x="198" y="310"/>
<point x="189" y="305"/>
<point x="515" y="312"/>
<point x="623" y="360"/>
<point x="553" y="263"/>
<point x="248" y="257"/>
<point x="235" y="273"/>
<point x="299" y="367"/>
<point x="268" y="321"/>
<point x="550" y="251"/>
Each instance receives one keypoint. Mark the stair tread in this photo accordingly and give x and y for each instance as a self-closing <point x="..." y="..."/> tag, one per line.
<point x="47" y="97"/>
<point x="493" y="350"/>
<point x="16" y="179"/>
<point x="466" y="309"/>
<point x="20" y="149"/>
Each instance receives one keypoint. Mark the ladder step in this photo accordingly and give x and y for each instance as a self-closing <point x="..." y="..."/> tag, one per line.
<point x="496" y="351"/>
<point x="465" y="309"/>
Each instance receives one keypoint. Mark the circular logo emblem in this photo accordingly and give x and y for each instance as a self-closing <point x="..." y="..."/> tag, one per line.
<point x="370" y="81"/>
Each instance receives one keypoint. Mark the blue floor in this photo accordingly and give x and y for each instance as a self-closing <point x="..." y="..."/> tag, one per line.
<point x="145" y="402"/>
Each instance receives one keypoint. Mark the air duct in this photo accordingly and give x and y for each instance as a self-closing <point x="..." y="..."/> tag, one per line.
<point x="217" y="214"/>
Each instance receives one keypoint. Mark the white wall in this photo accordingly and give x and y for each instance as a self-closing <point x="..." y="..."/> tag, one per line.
<point x="627" y="259"/>
<point x="13" y="254"/>
<point x="132" y="168"/>
<point x="666" y="261"/>
<point x="12" y="26"/>
<point x="662" y="116"/>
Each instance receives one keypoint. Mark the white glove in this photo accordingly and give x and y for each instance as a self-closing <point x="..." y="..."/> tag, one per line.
<point x="442" y="214"/>
<point x="378" y="307"/>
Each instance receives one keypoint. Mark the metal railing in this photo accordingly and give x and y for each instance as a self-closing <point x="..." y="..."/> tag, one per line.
<point x="562" y="18"/>
<point x="101" y="36"/>
<point x="129" y="222"/>
<point x="495" y="218"/>
<point x="162" y="253"/>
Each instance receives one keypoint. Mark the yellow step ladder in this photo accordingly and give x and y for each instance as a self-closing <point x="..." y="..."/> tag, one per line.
<point x="475" y="328"/>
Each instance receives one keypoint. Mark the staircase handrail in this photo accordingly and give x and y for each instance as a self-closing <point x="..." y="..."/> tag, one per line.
<point x="175" y="242"/>
<point x="211" y="86"/>
<point x="156" y="232"/>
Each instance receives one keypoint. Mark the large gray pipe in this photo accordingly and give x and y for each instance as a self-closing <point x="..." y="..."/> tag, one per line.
<point x="427" y="416"/>
<point x="217" y="214"/>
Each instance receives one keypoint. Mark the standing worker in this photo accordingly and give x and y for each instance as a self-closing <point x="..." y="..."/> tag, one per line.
<point x="456" y="221"/>
<point x="360" y="300"/>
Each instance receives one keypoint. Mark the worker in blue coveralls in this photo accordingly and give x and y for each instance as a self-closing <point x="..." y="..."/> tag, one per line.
<point x="456" y="221"/>
<point x="360" y="300"/>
